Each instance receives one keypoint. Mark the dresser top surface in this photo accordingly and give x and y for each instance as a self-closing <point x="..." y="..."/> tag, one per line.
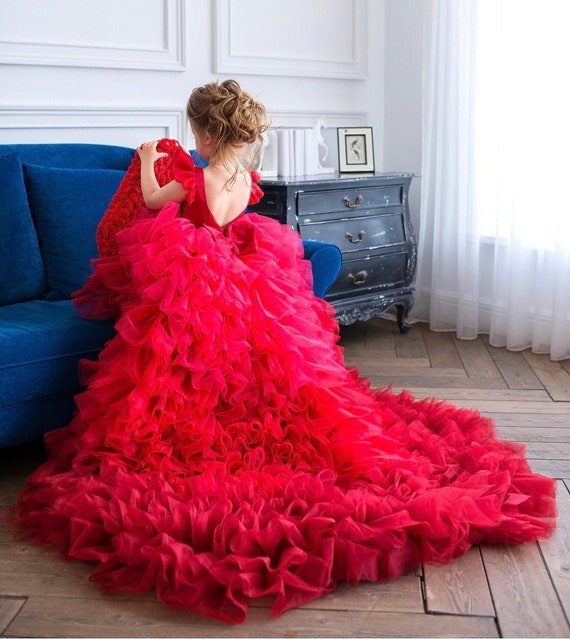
<point x="334" y="178"/>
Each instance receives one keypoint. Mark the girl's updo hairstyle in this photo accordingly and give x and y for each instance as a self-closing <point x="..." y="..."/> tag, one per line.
<point x="228" y="114"/>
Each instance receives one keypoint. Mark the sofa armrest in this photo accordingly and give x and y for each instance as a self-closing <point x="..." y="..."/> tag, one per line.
<point x="326" y="261"/>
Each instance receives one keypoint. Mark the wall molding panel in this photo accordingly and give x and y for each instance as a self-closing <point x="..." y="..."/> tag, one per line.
<point x="147" y="34"/>
<point x="129" y="127"/>
<point x="120" y="126"/>
<point x="307" y="118"/>
<point x="289" y="47"/>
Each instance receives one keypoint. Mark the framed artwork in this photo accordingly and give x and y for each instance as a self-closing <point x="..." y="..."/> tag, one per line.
<point x="355" y="150"/>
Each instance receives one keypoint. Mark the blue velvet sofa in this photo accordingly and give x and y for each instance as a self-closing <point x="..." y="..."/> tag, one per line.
<point x="52" y="199"/>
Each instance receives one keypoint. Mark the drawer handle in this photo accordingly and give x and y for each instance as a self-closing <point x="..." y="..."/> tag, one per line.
<point x="355" y="205"/>
<point x="352" y="240"/>
<point x="359" y="278"/>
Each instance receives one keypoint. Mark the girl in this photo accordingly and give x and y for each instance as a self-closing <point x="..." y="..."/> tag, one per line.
<point x="222" y="450"/>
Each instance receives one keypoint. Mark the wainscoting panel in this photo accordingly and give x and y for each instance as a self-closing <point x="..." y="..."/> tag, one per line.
<point x="128" y="127"/>
<point x="131" y="34"/>
<point x="308" y="118"/>
<point x="295" y="42"/>
<point x="123" y="127"/>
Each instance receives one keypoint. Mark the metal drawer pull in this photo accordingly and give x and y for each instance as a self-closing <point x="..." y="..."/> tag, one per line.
<point x="359" y="278"/>
<point x="350" y="238"/>
<point x="357" y="202"/>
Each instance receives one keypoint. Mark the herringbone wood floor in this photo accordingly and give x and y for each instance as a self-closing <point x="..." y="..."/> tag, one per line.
<point x="518" y="591"/>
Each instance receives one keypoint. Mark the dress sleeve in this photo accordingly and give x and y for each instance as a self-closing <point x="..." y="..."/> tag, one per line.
<point x="127" y="205"/>
<point x="184" y="171"/>
<point x="256" y="192"/>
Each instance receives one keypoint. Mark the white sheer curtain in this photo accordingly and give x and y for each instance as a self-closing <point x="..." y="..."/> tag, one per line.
<point x="494" y="236"/>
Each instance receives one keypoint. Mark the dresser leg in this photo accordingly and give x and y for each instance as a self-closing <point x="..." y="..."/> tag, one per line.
<point x="402" y="317"/>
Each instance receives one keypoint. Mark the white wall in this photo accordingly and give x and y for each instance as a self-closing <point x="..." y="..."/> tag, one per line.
<point x="120" y="71"/>
<point x="402" y="148"/>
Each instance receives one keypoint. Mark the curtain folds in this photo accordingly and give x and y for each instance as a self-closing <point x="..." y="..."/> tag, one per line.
<point x="494" y="240"/>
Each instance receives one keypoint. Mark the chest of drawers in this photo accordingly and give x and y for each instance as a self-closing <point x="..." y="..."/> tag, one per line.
<point x="368" y="218"/>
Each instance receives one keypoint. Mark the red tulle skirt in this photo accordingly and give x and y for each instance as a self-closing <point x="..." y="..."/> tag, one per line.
<point x="222" y="451"/>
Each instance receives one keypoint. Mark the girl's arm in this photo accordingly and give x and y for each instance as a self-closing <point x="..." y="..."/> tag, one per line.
<point x="156" y="196"/>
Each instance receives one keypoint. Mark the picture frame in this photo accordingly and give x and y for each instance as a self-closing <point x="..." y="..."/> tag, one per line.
<point x="355" y="149"/>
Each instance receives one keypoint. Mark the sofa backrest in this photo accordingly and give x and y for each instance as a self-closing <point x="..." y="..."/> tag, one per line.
<point x="53" y="197"/>
<point x="72" y="156"/>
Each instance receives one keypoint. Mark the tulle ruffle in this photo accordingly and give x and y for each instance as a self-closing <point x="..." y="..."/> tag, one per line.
<point x="224" y="452"/>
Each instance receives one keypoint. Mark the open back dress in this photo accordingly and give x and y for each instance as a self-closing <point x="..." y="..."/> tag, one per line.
<point x="222" y="450"/>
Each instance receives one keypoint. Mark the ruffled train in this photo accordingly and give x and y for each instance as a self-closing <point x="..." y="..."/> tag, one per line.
<point x="222" y="451"/>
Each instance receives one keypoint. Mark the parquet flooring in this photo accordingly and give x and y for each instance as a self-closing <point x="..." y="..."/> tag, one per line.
<point x="493" y="591"/>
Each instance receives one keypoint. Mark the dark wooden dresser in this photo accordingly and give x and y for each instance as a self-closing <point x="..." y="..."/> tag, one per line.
<point x="368" y="218"/>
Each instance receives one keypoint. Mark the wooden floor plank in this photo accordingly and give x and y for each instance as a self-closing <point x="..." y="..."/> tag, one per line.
<point x="410" y="345"/>
<point x="533" y="434"/>
<point x="556" y="550"/>
<point x="109" y="618"/>
<point x="394" y="625"/>
<point x="526" y="602"/>
<point x="397" y="365"/>
<point x="444" y="378"/>
<point x="40" y="572"/>
<point x="514" y="368"/>
<point x="395" y="375"/>
<point x="401" y="595"/>
<point x="440" y="348"/>
<point x="554" y="377"/>
<point x="555" y="468"/>
<point x="381" y="338"/>
<point x="460" y="588"/>
<point x="505" y="406"/>
<point x="548" y="450"/>
<point x="52" y="576"/>
<point x="536" y="421"/>
<point x="476" y="359"/>
<point x="478" y="393"/>
<point x="9" y="608"/>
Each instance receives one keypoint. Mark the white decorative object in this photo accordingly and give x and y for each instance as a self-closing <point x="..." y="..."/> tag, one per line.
<point x="284" y="152"/>
<point x="311" y="152"/>
<point x="300" y="151"/>
<point x="321" y="146"/>
<point x="268" y="155"/>
<point x="355" y="150"/>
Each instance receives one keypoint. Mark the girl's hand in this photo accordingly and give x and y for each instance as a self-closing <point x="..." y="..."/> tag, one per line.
<point x="147" y="151"/>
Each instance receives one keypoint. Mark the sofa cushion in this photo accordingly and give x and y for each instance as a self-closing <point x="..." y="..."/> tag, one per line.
<point x="41" y="343"/>
<point x="22" y="275"/>
<point x="67" y="205"/>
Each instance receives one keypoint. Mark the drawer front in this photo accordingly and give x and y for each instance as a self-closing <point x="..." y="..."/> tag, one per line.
<point x="358" y="233"/>
<point x="349" y="199"/>
<point x="379" y="272"/>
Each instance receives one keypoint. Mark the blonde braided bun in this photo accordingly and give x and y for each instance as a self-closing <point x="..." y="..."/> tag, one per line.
<point x="229" y="114"/>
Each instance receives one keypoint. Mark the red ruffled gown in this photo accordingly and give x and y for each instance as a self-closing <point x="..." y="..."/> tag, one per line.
<point x="222" y="450"/>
